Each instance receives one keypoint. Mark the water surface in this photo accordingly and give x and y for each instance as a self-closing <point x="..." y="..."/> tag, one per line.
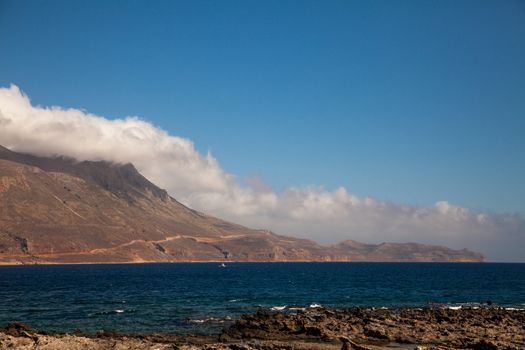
<point x="179" y="297"/>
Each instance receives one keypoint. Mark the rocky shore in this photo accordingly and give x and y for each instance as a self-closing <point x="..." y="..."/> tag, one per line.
<point x="481" y="328"/>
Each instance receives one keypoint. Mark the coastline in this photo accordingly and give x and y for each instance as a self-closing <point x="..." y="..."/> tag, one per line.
<point x="52" y="263"/>
<point x="485" y="327"/>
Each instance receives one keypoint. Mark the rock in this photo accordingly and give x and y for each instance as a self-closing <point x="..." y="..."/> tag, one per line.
<point x="375" y="333"/>
<point x="314" y="331"/>
<point x="17" y="329"/>
<point x="403" y="339"/>
<point x="239" y="347"/>
<point x="467" y="329"/>
<point x="484" y="345"/>
<point x="350" y="345"/>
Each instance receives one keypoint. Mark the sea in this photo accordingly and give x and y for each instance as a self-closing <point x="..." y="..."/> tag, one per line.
<point x="205" y="297"/>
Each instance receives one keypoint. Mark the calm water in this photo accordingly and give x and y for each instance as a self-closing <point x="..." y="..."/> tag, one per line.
<point x="177" y="297"/>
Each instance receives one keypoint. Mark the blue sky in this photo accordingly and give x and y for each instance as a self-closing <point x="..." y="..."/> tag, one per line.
<point x="405" y="101"/>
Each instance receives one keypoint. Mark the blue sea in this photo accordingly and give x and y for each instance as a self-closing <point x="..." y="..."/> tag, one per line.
<point x="205" y="297"/>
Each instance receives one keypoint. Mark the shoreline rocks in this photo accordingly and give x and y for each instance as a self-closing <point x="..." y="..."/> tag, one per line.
<point x="485" y="328"/>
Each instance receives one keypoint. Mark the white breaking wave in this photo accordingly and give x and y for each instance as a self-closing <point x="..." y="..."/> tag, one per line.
<point x="278" y="308"/>
<point x="454" y="307"/>
<point x="211" y="320"/>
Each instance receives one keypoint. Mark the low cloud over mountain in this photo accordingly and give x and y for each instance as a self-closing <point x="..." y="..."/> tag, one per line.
<point x="199" y="181"/>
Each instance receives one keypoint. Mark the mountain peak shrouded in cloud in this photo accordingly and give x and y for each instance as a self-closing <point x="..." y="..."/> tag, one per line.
<point x="59" y="210"/>
<point x="198" y="181"/>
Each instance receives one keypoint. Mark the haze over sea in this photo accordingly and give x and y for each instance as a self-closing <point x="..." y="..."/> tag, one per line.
<point x="204" y="297"/>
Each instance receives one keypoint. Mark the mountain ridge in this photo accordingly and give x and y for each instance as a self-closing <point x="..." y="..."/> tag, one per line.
<point x="60" y="210"/>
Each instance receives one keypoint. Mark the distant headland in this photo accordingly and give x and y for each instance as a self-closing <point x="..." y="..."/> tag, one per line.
<point x="57" y="210"/>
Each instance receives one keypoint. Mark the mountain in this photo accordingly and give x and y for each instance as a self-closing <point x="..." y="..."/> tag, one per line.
<point x="59" y="210"/>
<point x="356" y="251"/>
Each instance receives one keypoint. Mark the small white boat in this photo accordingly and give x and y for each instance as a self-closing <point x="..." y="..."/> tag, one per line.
<point x="222" y="265"/>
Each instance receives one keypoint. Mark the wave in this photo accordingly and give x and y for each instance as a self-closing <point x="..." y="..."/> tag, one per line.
<point x="296" y="308"/>
<point x="475" y="306"/>
<point x="110" y="312"/>
<point x="278" y="308"/>
<point x="211" y="320"/>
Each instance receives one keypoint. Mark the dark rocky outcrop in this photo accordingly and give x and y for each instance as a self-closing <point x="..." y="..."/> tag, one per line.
<point x="486" y="328"/>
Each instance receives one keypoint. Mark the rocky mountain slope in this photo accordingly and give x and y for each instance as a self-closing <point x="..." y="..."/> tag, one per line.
<point x="58" y="210"/>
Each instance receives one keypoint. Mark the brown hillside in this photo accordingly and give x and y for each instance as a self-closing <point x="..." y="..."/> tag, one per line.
<point x="58" y="210"/>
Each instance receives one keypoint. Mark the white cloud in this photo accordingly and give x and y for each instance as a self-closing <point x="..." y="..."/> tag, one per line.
<point x="171" y="161"/>
<point x="199" y="181"/>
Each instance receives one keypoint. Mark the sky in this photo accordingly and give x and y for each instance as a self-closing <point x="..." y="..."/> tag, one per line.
<point x="331" y="120"/>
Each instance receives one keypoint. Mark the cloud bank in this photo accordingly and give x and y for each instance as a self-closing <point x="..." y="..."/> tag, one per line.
<point x="198" y="181"/>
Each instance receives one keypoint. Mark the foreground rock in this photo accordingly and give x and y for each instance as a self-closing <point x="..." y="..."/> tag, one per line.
<point x="479" y="328"/>
<point x="485" y="328"/>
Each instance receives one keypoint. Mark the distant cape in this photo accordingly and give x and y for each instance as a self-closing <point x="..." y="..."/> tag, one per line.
<point x="59" y="210"/>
